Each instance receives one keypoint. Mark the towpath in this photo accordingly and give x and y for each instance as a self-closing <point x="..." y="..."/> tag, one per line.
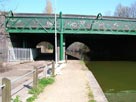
<point x="70" y="86"/>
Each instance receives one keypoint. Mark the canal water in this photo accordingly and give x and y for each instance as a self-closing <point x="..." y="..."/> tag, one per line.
<point x="117" y="79"/>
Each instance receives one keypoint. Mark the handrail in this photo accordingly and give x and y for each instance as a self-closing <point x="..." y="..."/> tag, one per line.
<point x="7" y="83"/>
<point x="40" y="67"/>
<point x="10" y="14"/>
<point x="48" y="64"/>
<point x="43" y="66"/>
<point x="12" y="81"/>
<point x="99" y="16"/>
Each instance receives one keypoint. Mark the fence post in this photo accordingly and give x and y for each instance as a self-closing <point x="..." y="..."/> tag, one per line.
<point x="45" y="71"/>
<point x="53" y="68"/>
<point x="6" y="90"/>
<point x="66" y="58"/>
<point x="35" y="78"/>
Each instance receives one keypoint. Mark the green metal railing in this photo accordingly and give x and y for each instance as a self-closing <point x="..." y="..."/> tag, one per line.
<point x="70" y="25"/>
<point x="30" y="24"/>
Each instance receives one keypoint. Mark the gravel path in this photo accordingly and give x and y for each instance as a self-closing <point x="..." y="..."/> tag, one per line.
<point x="70" y="86"/>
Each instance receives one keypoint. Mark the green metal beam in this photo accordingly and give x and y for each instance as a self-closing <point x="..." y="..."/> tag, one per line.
<point x="70" y="25"/>
<point x="73" y="32"/>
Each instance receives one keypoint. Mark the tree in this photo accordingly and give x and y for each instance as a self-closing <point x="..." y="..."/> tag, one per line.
<point x="133" y="10"/>
<point x="48" y="8"/>
<point x="126" y="11"/>
<point x="122" y="11"/>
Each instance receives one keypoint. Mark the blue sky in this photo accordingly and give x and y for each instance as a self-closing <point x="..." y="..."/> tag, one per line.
<point x="86" y="7"/>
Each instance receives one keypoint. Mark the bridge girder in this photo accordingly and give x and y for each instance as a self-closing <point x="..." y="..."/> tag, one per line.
<point x="30" y="23"/>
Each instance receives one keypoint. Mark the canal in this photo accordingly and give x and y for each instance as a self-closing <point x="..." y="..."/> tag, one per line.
<point x="116" y="78"/>
<point x="113" y="63"/>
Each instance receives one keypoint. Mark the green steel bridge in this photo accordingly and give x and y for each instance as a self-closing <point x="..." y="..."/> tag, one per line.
<point x="21" y="23"/>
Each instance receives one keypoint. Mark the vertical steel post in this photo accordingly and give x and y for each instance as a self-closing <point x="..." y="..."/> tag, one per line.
<point x="56" y="52"/>
<point x="61" y="37"/>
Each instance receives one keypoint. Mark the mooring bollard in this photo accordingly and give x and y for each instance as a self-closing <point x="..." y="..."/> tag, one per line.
<point x="35" y="77"/>
<point x="53" y="68"/>
<point x="6" y="90"/>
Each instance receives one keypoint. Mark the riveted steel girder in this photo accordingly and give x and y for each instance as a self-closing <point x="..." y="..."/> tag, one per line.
<point x="71" y="25"/>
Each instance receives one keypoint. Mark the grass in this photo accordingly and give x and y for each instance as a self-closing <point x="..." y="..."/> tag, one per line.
<point x="91" y="101"/>
<point x="16" y="99"/>
<point x="91" y="97"/>
<point x="90" y="94"/>
<point x="83" y="65"/>
<point x="82" y="62"/>
<point x="42" y="83"/>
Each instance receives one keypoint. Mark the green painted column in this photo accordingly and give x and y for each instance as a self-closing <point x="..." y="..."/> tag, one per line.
<point x="61" y="38"/>
<point x="61" y="47"/>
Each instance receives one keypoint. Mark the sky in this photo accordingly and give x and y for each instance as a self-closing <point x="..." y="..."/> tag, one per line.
<point x="83" y="7"/>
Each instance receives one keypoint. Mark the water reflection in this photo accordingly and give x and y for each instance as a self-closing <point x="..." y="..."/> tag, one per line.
<point x="121" y="97"/>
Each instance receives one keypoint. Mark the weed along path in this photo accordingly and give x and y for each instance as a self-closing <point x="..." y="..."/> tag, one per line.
<point x="70" y="86"/>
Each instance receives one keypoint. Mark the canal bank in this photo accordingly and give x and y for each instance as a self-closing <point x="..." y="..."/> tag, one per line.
<point x="116" y="78"/>
<point x="72" y="85"/>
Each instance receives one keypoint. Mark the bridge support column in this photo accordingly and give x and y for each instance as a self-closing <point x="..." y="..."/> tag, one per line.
<point x="62" y="47"/>
<point x="62" y="43"/>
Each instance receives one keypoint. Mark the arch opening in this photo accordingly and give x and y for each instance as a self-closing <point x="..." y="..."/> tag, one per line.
<point x="45" y="51"/>
<point x="78" y="50"/>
